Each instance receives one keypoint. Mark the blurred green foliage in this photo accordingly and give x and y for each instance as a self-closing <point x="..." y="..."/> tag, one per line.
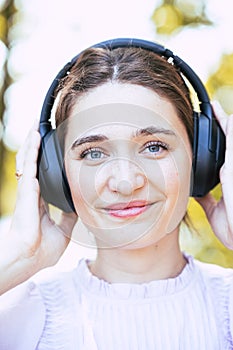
<point x="3" y="27"/>
<point x="220" y="83"/>
<point x="7" y="157"/>
<point x="173" y="15"/>
<point x="9" y="186"/>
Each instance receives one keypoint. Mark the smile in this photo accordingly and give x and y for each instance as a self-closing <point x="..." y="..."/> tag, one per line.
<point x="129" y="210"/>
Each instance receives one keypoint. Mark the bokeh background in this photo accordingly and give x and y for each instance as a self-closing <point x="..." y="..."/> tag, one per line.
<point x="37" y="37"/>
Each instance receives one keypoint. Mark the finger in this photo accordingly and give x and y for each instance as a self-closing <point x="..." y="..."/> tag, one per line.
<point x="220" y="115"/>
<point x="226" y="173"/>
<point x="229" y="145"/>
<point x="25" y="146"/>
<point x="208" y="203"/>
<point x="19" y="160"/>
<point x="35" y="125"/>
<point x="31" y="155"/>
<point x="43" y="207"/>
<point x="28" y="185"/>
<point x="28" y="152"/>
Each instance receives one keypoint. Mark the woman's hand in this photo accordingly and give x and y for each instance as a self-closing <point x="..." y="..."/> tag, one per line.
<point x="220" y="214"/>
<point x="35" y="241"/>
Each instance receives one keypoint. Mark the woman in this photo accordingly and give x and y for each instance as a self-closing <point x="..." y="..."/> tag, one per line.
<point x="126" y="118"/>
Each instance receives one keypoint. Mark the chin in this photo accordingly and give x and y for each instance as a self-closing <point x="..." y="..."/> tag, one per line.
<point x="126" y="237"/>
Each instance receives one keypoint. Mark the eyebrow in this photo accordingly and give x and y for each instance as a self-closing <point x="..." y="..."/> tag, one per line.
<point x="150" y="130"/>
<point x="88" y="139"/>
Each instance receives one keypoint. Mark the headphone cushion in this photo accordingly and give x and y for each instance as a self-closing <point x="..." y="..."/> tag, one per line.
<point x="208" y="154"/>
<point x="51" y="173"/>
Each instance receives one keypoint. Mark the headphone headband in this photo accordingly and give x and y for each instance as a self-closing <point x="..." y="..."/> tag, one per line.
<point x="127" y="42"/>
<point x="208" y="146"/>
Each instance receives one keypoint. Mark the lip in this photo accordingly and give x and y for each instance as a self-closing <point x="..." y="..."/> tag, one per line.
<point x="128" y="210"/>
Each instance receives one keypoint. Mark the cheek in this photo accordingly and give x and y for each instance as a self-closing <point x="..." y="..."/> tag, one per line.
<point x="177" y="189"/>
<point x="87" y="185"/>
<point x="177" y="173"/>
<point x="81" y="186"/>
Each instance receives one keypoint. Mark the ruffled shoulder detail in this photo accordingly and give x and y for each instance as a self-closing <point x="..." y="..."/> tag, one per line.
<point x="22" y="317"/>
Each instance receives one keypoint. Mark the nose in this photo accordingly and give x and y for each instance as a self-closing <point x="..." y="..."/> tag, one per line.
<point x="126" y="177"/>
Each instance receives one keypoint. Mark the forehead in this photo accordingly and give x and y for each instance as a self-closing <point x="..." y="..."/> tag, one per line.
<point x="117" y="108"/>
<point x="122" y="103"/>
<point x="115" y="118"/>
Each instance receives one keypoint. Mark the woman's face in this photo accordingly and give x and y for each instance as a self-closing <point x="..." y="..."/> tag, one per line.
<point x="128" y="162"/>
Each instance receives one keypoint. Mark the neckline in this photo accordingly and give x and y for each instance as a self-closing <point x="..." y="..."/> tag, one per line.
<point x="158" y="288"/>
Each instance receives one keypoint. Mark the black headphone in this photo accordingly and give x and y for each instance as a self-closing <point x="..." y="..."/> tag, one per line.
<point x="208" y="146"/>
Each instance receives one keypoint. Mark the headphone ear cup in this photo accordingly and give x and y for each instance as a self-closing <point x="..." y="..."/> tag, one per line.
<point x="51" y="173"/>
<point x="208" y="154"/>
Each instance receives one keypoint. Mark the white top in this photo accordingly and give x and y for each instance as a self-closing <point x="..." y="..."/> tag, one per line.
<point x="77" y="311"/>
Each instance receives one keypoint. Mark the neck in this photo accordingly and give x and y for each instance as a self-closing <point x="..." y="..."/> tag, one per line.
<point x="161" y="260"/>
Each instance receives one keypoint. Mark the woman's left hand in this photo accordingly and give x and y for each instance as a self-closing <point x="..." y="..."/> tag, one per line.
<point x="220" y="214"/>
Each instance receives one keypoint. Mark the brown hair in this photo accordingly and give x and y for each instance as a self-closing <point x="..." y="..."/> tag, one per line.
<point x="96" y="66"/>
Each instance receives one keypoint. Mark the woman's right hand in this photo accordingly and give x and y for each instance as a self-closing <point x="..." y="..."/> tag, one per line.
<point x="34" y="241"/>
